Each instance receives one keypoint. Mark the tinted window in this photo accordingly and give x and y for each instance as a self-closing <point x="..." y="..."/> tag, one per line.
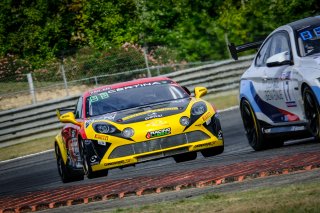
<point x="129" y="97"/>
<point x="279" y="43"/>
<point x="263" y="54"/>
<point x="308" y="40"/>
<point x="78" y="109"/>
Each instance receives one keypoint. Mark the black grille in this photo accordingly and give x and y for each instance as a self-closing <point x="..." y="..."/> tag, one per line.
<point x="158" y="144"/>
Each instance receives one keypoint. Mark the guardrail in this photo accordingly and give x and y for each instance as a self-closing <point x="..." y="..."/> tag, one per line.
<point x="36" y="121"/>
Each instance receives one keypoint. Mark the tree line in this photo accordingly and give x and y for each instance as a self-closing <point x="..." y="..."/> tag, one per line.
<point x="39" y="31"/>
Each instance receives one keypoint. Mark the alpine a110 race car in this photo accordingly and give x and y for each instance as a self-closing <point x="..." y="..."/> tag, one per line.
<point x="280" y="91"/>
<point x="127" y="123"/>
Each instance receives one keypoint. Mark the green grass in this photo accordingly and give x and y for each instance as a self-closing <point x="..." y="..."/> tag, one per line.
<point x="223" y="102"/>
<point x="43" y="144"/>
<point x="302" y="197"/>
<point x="29" y="147"/>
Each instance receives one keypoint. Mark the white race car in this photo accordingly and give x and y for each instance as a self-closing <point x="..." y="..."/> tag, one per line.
<point x="280" y="91"/>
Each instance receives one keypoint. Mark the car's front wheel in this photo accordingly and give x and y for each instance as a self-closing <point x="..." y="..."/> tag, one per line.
<point x="65" y="173"/>
<point x="252" y="127"/>
<point x="311" y="109"/>
<point x="86" y="164"/>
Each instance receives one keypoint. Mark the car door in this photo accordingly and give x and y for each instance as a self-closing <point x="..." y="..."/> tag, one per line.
<point x="279" y="82"/>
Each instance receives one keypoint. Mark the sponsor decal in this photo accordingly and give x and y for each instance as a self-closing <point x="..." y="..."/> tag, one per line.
<point x="73" y="133"/>
<point x="291" y="104"/>
<point x="148" y="112"/>
<point x="158" y="133"/>
<point x="110" y="90"/>
<point x="87" y="123"/>
<point x="220" y="135"/>
<point x="93" y="158"/>
<point x="109" y="116"/>
<point x="206" y="116"/>
<point x="153" y="115"/>
<point x="100" y="90"/>
<point x="285" y="75"/>
<point x="117" y="163"/>
<point x="297" y="128"/>
<point x="87" y="142"/>
<point x="101" y="137"/>
<point x="200" y="146"/>
<point x="102" y="143"/>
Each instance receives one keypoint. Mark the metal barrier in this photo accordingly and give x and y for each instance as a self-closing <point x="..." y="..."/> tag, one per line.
<point x="36" y="121"/>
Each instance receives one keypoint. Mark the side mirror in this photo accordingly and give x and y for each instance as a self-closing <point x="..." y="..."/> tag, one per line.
<point x="68" y="118"/>
<point x="279" y="59"/>
<point x="200" y="91"/>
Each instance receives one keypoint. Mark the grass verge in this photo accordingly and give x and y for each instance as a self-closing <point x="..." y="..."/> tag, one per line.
<point x="42" y="144"/>
<point x="223" y="102"/>
<point x="29" y="147"/>
<point x="302" y="197"/>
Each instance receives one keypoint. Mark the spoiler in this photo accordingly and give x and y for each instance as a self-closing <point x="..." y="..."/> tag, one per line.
<point x="234" y="50"/>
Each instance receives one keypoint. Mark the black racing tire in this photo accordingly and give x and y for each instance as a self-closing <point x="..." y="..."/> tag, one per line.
<point x="212" y="151"/>
<point x="311" y="110"/>
<point x="86" y="164"/>
<point x="252" y="127"/>
<point x="185" y="157"/>
<point x="65" y="173"/>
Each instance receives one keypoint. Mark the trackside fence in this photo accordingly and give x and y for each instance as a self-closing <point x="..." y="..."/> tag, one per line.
<point x="39" y="120"/>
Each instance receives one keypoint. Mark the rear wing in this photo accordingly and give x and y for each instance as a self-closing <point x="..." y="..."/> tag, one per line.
<point x="234" y="50"/>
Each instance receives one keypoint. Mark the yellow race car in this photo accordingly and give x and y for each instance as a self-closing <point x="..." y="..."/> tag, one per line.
<point x="127" y="123"/>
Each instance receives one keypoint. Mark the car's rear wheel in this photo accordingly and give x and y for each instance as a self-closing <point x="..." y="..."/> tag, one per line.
<point x="212" y="151"/>
<point x="185" y="157"/>
<point x="65" y="173"/>
<point x="311" y="109"/>
<point x="252" y="127"/>
<point x="87" y="166"/>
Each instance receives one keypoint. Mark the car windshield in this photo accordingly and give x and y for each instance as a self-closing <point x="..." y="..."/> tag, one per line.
<point x="308" y="40"/>
<point x="132" y="96"/>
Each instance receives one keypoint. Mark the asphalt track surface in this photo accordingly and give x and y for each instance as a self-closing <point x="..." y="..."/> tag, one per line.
<point x="40" y="172"/>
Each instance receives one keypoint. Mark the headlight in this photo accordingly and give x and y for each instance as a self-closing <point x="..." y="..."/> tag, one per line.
<point x="127" y="132"/>
<point x="198" y="108"/>
<point x="184" y="121"/>
<point x="105" y="128"/>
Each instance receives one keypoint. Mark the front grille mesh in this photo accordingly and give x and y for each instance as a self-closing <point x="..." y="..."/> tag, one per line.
<point x="158" y="144"/>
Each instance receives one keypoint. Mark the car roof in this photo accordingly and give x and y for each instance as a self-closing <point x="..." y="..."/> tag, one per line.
<point x="128" y="83"/>
<point x="300" y="24"/>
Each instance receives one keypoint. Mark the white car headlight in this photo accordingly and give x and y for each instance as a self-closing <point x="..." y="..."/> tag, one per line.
<point x="184" y="121"/>
<point x="127" y="132"/>
<point x="102" y="127"/>
<point x="198" y="108"/>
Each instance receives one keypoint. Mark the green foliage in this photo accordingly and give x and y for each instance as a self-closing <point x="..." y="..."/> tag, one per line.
<point x="173" y="31"/>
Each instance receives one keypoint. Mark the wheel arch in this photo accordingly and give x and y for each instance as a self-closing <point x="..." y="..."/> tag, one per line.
<point x="303" y="86"/>
<point x="63" y="150"/>
<point x="315" y="91"/>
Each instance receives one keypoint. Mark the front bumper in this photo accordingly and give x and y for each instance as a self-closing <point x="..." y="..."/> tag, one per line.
<point x="158" y="148"/>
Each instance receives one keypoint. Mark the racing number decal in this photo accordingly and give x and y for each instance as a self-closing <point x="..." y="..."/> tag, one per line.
<point x="287" y="87"/>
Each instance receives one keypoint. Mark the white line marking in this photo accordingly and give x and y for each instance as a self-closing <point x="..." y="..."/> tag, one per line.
<point x="26" y="156"/>
<point x="50" y="150"/>
<point x="229" y="109"/>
